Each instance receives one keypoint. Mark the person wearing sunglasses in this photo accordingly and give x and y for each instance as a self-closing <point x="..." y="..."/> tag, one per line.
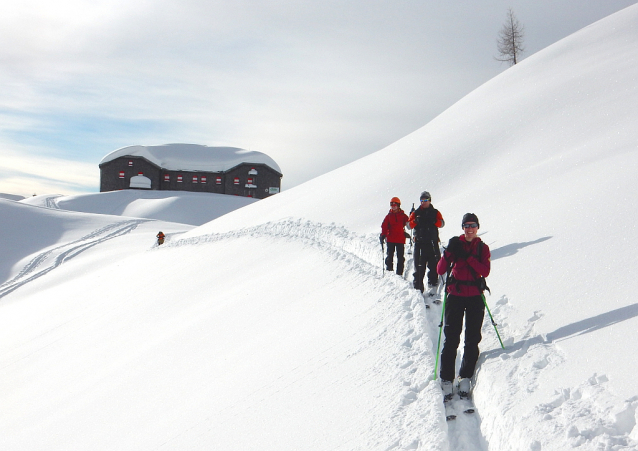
<point x="426" y="221"/>
<point x="466" y="260"/>
<point x="393" y="230"/>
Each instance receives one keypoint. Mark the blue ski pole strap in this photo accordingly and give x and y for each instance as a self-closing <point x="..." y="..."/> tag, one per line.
<point x="492" y="319"/>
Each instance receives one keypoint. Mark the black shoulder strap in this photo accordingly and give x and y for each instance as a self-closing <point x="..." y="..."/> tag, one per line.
<point x="480" y="280"/>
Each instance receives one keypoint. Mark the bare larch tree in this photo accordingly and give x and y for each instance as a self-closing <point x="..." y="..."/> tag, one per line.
<point x="510" y="40"/>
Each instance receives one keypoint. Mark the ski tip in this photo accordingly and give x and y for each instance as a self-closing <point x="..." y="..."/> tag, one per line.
<point x="469" y="411"/>
<point x="450" y="417"/>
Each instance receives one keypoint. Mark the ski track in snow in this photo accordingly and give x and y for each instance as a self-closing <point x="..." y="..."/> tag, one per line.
<point x="51" y="202"/>
<point x="48" y="260"/>
<point x="421" y="400"/>
<point x="584" y="417"/>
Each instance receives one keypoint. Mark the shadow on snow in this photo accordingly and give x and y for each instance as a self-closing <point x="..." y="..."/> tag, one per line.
<point x="571" y="330"/>
<point x="511" y="249"/>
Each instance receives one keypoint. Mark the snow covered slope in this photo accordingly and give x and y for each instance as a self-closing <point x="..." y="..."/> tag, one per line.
<point x="546" y="155"/>
<point x="10" y="196"/>
<point x="273" y="328"/>
<point x="36" y="240"/>
<point x="173" y="206"/>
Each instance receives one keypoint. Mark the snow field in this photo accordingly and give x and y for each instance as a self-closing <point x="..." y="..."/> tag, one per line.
<point x="190" y="329"/>
<point x="381" y="350"/>
<point x="272" y="327"/>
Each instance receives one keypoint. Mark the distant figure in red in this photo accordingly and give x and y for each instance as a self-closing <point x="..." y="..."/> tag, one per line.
<point x="160" y="238"/>
<point x="393" y="230"/>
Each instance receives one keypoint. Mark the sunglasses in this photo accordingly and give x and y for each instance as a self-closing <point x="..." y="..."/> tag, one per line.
<point x="425" y="200"/>
<point x="470" y="226"/>
<point x="394" y="203"/>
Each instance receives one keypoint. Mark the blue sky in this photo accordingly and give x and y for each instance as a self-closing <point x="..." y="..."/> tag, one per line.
<point x="313" y="84"/>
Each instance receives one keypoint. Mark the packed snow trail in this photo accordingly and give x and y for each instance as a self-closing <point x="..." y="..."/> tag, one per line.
<point x="363" y="253"/>
<point x="464" y="431"/>
<point x="48" y="260"/>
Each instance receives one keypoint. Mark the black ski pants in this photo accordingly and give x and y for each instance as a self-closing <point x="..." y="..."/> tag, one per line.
<point x="426" y="253"/>
<point x="389" y="260"/>
<point x="456" y="307"/>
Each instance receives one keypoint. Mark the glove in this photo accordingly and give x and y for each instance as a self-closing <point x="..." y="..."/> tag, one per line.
<point x="461" y="253"/>
<point x="456" y="248"/>
<point x="382" y="239"/>
<point x="452" y="244"/>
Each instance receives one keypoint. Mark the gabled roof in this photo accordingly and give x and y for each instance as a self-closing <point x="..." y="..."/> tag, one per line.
<point x="193" y="157"/>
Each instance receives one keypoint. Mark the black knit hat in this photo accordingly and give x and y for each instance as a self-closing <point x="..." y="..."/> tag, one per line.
<point x="425" y="195"/>
<point x="470" y="217"/>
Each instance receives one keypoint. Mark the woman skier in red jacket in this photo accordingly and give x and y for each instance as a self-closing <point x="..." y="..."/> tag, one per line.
<point x="469" y="259"/>
<point x="393" y="230"/>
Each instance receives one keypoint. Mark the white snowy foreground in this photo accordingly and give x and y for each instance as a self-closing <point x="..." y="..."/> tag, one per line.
<point x="274" y="328"/>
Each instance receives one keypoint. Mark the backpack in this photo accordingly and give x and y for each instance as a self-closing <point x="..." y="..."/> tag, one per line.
<point x="479" y="281"/>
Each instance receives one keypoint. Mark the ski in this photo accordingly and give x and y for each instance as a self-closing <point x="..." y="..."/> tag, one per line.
<point x="466" y="404"/>
<point x="456" y="403"/>
<point x="426" y="298"/>
<point x="406" y="271"/>
<point x="448" y="397"/>
<point x="450" y="414"/>
<point x="432" y="294"/>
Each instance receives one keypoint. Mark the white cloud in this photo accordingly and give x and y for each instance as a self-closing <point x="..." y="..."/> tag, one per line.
<point x="27" y="174"/>
<point x="314" y="84"/>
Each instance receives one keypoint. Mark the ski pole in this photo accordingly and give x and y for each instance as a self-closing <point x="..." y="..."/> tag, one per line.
<point x="382" y="259"/>
<point x="492" y="319"/>
<point x="438" y="346"/>
<point x="411" y="232"/>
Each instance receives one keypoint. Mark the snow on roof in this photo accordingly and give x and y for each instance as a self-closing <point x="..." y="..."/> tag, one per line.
<point x="193" y="157"/>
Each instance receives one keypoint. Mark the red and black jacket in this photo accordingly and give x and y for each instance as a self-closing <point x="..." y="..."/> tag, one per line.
<point x="466" y="272"/>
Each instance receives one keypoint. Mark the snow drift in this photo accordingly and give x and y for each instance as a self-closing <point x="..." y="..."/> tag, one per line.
<point x="172" y="206"/>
